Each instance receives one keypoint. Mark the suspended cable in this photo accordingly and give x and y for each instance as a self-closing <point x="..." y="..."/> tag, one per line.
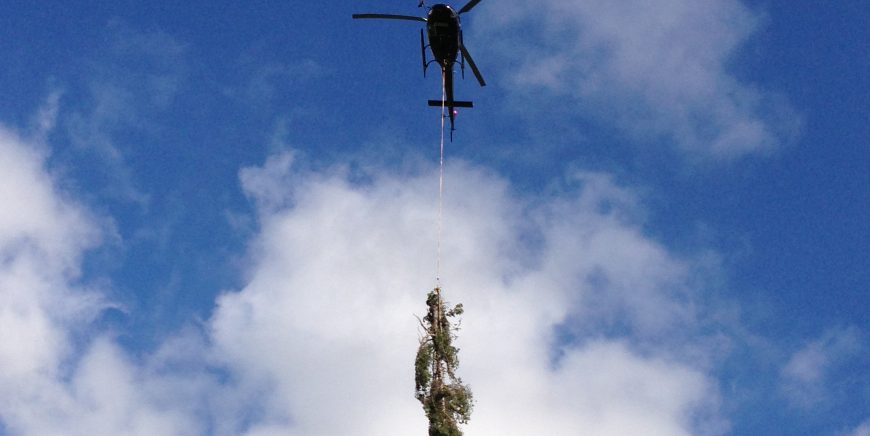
<point x="441" y="182"/>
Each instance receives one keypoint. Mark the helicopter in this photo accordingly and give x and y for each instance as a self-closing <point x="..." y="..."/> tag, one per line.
<point x="445" y="41"/>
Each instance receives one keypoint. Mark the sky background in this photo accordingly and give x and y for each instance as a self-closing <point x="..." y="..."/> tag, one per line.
<point x="219" y="218"/>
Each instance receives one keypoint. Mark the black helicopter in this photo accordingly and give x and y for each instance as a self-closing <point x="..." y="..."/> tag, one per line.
<point x="445" y="41"/>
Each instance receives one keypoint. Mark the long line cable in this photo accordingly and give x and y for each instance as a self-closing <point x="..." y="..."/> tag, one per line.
<point x="441" y="181"/>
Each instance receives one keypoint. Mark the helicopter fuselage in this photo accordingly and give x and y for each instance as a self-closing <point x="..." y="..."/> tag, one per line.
<point x="445" y="38"/>
<point x="445" y="33"/>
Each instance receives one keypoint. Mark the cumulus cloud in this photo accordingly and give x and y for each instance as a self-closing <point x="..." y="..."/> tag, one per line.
<point x="654" y="69"/>
<point x="321" y="338"/>
<point x="861" y="430"/>
<point x="807" y="375"/>
<point x="41" y="240"/>
<point x="326" y="320"/>
<point x="49" y="384"/>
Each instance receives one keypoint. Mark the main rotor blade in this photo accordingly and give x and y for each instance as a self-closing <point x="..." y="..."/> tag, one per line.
<point x="471" y="64"/>
<point x="389" y="17"/>
<point x="468" y="6"/>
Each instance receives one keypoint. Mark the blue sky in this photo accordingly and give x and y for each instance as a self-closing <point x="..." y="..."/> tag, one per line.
<point x="219" y="218"/>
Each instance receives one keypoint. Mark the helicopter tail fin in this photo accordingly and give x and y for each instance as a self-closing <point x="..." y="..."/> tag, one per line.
<point x="454" y="103"/>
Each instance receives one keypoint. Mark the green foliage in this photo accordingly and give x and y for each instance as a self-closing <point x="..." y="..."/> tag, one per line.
<point x="446" y="401"/>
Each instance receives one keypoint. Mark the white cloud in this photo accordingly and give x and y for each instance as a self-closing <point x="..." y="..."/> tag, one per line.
<point x="35" y="218"/>
<point x="806" y="376"/>
<point x="321" y="339"/>
<point x="862" y="430"/>
<point x="108" y="394"/>
<point x="326" y="319"/>
<point x="267" y="185"/>
<point x="655" y="69"/>
<point x="45" y="313"/>
<point x="42" y="237"/>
